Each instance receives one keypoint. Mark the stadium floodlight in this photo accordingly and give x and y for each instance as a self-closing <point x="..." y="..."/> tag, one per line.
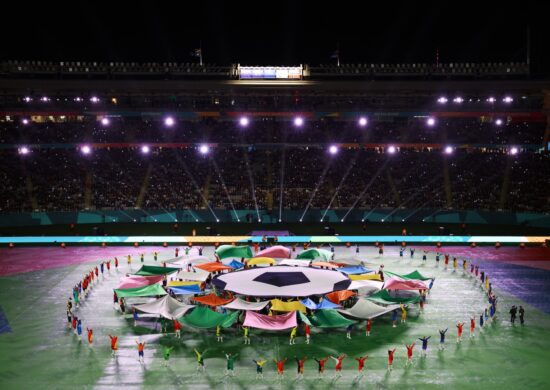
<point x="514" y="150"/>
<point x="169" y="121"/>
<point x="27" y="99"/>
<point x="508" y="99"/>
<point x="298" y="121"/>
<point x="78" y="99"/>
<point x="449" y="150"/>
<point x="105" y="121"/>
<point x="430" y="121"/>
<point x="244" y="121"/>
<point x="498" y="122"/>
<point x="217" y="220"/>
<point x="94" y="99"/>
<point x="204" y="149"/>
<point x="25" y="121"/>
<point x="23" y="150"/>
<point x="363" y="121"/>
<point x="491" y="99"/>
<point x="442" y="100"/>
<point x="145" y="149"/>
<point x="300" y="219"/>
<point x="280" y="220"/>
<point x="85" y="149"/>
<point x="458" y="99"/>
<point x="333" y="149"/>
<point x="392" y="149"/>
<point x="44" y="99"/>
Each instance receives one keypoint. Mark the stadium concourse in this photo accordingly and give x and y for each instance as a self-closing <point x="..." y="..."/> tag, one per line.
<point x="35" y="336"/>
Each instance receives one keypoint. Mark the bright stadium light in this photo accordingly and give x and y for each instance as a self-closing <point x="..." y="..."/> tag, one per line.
<point x="27" y="99"/>
<point x="508" y="99"/>
<point x="25" y="121"/>
<point x="23" y="150"/>
<point x="498" y="122"/>
<point x="44" y="99"/>
<point x="105" y="121"/>
<point x="298" y="121"/>
<point x="145" y="149"/>
<point x="442" y="100"/>
<point x="204" y="149"/>
<point x="363" y="121"/>
<point x="449" y="150"/>
<point x="430" y="121"/>
<point x="333" y="149"/>
<point x="244" y="121"/>
<point x="491" y="99"/>
<point x="94" y="99"/>
<point x="85" y="149"/>
<point x="78" y="99"/>
<point x="391" y="149"/>
<point x="514" y="150"/>
<point x="169" y="121"/>
<point x="458" y="100"/>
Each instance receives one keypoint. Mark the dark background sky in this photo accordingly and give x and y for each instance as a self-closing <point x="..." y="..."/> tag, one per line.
<point x="276" y="32"/>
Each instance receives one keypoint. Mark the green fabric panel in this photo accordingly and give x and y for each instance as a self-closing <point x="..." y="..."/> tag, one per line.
<point x="383" y="297"/>
<point x="147" y="291"/>
<point x="415" y="275"/>
<point x="329" y="319"/>
<point x="304" y="318"/>
<point x="151" y="270"/>
<point x="226" y="251"/>
<point x="203" y="317"/>
<point x="312" y="254"/>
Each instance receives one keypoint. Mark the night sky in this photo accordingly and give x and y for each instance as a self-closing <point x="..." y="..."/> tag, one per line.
<point x="276" y="32"/>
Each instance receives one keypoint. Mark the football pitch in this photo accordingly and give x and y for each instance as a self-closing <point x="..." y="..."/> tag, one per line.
<point x="37" y="350"/>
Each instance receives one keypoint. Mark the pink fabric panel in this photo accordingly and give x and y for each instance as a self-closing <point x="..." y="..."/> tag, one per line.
<point x="277" y="251"/>
<point x="138" y="281"/>
<point x="261" y="321"/>
<point x="398" y="284"/>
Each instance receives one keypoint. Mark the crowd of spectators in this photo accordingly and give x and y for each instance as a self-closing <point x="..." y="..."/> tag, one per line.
<point x="292" y="176"/>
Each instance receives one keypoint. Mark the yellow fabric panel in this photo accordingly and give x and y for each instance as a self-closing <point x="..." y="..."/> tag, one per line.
<point x="176" y="283"/>
<point x="365" y="277"/>
<point x="278" y="305"/>
<point x="261" y="260"/>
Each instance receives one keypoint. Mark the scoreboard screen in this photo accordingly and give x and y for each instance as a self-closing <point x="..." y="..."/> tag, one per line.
<point x="270" y="72"/>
